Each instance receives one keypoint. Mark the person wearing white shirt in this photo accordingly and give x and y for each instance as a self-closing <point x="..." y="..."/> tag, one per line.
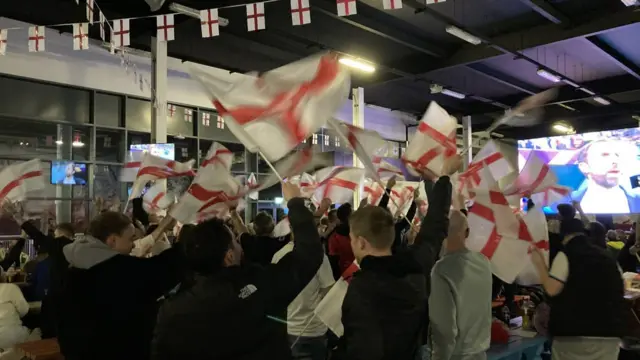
<point x="13" y="307"/>
<point x="307" y="333"/>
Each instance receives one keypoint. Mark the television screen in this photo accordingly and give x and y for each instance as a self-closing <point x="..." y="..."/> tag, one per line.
<point x="165" y="151"/>
<point x="598" y="167"/>
<point x="68" y="173"/>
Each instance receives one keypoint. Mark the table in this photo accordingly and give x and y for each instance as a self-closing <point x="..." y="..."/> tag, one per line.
<point x="47" y="349"/>
<point x="516" y="348"/>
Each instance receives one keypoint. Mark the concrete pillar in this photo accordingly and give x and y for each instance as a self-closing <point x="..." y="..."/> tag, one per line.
<point x="467" y="140"/>
<point x="159" y="93"/>
<point x="357" y="115"/>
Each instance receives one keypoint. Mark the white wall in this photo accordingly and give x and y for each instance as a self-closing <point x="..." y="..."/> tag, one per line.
<point x="96" y="68"/>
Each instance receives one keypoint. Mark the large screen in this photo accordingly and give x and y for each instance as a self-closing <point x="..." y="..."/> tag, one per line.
<point x="165" y="151"/>
<point x="597" y="166"/>
<point x="68" y="173"/>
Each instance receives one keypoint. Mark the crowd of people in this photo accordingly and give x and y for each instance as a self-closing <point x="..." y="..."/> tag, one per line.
<point x="222" y="289"/>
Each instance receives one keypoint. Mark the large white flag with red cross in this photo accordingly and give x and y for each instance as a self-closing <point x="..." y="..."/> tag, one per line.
<point x="155" y="168"/>
<point x="550" y="195"/>
<point x="287" y="104"/>
<point x="386" y="170"/>
<point x="156" y="199"/>
<point x="297" y="162"/>
<point x="402" y="197"/>
<point x="18" y="180"/>
<point x="373" y="191"/>
<point x="338" y="183"/>
<point x="131" y="166"/>
<point x="329" y="310"/>
<point x="490" y="156"/>
<point x="306" y="182"/>
<point x="496" y="232"/>
<point x="535" y="177"/>
<point x="218" y="153"/>
<point x="433" y="142"/>
<point x="536" y="223"/>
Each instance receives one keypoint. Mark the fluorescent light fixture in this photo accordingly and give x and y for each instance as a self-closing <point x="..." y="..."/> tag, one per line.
<point x="567" y="107"/>
<point x="77" y="143"/>
<point x="454" y="94"/>
<point x="185" y="10"/>
<point x="463" y="35"/>
<point x="59" y="142"/>
<point x="547" y="75"/>
<point x="587" y="91"/>
<point x="601" y="100"/>
<point x="357" y="64"/>
<point x="569" y="82"/>
<point x="630" y="2"/>
<point x="563" y="128"/>
<point x="278" y="200"/>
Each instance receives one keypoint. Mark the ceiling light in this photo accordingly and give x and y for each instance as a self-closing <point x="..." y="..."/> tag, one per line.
<point x="357" y="64"/>
<point x="563" y="128"/>
<point x="601" y="100"/>
<point x="461" y="34"/>
<point x="587" y="91"/>
<point x="59" y="142"/>
<point x="77" y="143"/>
<point x="630" y="2"/>
<point x="454" y="94"/>
<point x="549" y="76"/>
<point x="566" y="107"/>
<point x="569" y="82"/>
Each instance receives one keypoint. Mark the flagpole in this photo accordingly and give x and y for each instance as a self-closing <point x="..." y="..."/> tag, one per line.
<point x="271" y="166"/>
<point x="303" y="330"/>
<point x="404" y="216"/>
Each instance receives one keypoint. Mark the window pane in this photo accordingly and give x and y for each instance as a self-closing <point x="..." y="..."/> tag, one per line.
<point x="135" y="138"/>
<point x="138" y="115"/>
<point x="180" y="120"/>
<point x="212" y="127"/>
<point x="105" y="181"/>
<point x="80" y="215"/>
<point x="80" y="143"/>
<point x="185" y="149"/>
<point x="107" y="109"/>
<point x="109" y="145"/>
<point x="238" y="153"/>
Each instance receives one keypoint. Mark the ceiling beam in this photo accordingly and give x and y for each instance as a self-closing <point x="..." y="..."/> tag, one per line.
<point x="502" y="78"/>
<point x="548" y="11"/>
<point x="614" y="55"/>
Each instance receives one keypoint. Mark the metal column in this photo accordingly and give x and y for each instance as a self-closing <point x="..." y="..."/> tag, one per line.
<point x="467" y="140"/>
<point x="357" y="116"/>
<point x="159" y="93"/>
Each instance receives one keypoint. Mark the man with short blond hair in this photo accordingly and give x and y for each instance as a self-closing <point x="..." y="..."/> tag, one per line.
<point x="374" y="224"/>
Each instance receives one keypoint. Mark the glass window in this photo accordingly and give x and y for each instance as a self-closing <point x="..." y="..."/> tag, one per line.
<point x="211" y="126"/>
<point x="80" y="143"/>
<point x="105" y="181"/>
<point x="181" y="120"/>
<point x="138" y="115"/>
<point x="109" y="145"/>
<point x="107" y="109"/>
<point x="136" y="138"/>
<point x="185" y="149"/>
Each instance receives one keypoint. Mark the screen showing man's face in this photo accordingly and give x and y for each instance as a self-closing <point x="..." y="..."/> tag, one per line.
<point x="70" y="170"/>
<point x="602" y="164"/>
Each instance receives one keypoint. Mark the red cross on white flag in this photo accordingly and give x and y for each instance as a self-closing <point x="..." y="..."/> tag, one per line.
<point x="386" y="170"/>
<point x="392" y="4"/>
<point x="497" y="233"/>
<point x="300" y="98"/>
<point x="188" y="115"/>
<point x="103" y="19"/>
<point x="536" y="223"/>
<point x="329" y="310"/>
<point x="218" y="154"/>
<point x="338" y="183"/>
<point x="209" y="23"/>
<point x="374" y="191"/>
<point x="535" y="177"/>
<point x="346" y="7"/>
<point x="435" y="1"/>
<point x="36" y="38"/>
<point x="156" y="199"/>
<point x="121" y="34"/>
<point x="300" y="12"/>
<point x="131" y="166"/>
<point x="551" y="195"/>
<point x="154" y="167"/>
<point x="90" y="11"/>
<point x="402" y="194"/>
<point x="80" y="36"/>
<point x="490" y="156"/>
<point x="16" y="181"/>
<point x="433" y="142"/>
<point x="3" y="41"/>
<point x="166" y="27"/>
<point x="255" y="17"/>
<point x="171" y="110"/>
<point x="296" y="162"/>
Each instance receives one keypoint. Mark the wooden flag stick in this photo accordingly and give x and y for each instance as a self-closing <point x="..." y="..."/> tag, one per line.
<point x="271" y="166"/>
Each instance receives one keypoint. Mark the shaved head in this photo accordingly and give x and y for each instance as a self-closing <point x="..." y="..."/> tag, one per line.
<point x="458" y="230"/>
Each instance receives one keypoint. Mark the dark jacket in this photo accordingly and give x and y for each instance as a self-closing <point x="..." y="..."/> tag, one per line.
<point x="108" y="304"/>
<point x="385" y="311"/>
<point x="12" y="258"/>
<point x="401" y="225"/>
<point x="259" y="250"/>
<point x="237" y="313"/>
<point x="591" y="302"/>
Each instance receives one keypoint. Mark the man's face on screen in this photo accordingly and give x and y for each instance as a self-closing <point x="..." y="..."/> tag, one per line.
<point x="602" y="164"/>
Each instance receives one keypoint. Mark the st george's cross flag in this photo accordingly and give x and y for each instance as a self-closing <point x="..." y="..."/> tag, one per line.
<point x="255" y="16"/>
<point x="496" y="232"/>
<point x="209" y="23"/>
<point x="295" y="163"/>
<point x="165" y="27"/>
<point x="402" y="197"/>
<point x="36" y="38"/>
<point x="391" y="4"/>
<point x="3" y="41"/>
<point x="288" y="103"/>
<point x="490" y="156"/>
<point x="300" y="12"/>
<point x="537" y="225"/>
<point x="373" y="191"/>
<point x="80" y="36"/>
<point x="131" y="166"/>
<point x="220" y="154"/>
<point x="535" y="177"/>
<point x="121" y="34"/>
<point x="306" y="182"/>
<point x="338" y="183"/>
<point x="156" y="199"/>
<point x="551" y="195"/>
<point x="329" y="310"/>
<point x="155" y="168"/>
<point x="18" y="180"/>
<point x="346" y="7"/>
<point x="386" y="170"/>
<point x="433" y="142"/>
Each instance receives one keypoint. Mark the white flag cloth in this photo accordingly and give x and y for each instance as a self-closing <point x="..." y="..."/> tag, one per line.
<point x="386" y="170"/>
<point x="156" y="199"/>
<point x="373" y="190"/>
<point x="154" y="168"/>
<point x="131" y="166"/>
<point x="36" y="38"/>
<point x="535" y="177"/>
<point x="550" y="195"/>
<point x="283" y="228"/>
<point x="219" y="153"/>
<point x="433" y="142"/>
<point x="18" y="180"/>
<point x="3" y="41"/>
<point x="402" y="197"/>
<point x="392" y="4"/>
<point x="346" y="7"/>
<point x="166" y="27"/>
<point x="338" y="183"/>
<point x="306" y="182"/>
<point x="120" y="36"/>
<point x="490" y="156"/>
<point x="536" y="223"/>
<point x="289" y="103"/>
<point x="496" y="232"/>
<point x="295" y="163"/>
<point x="209" y="195"/>
<point x="300" y="12"/>
<point x="80" y="36"/>
<point x="366" y="144"/>
<point x="209" y="23"/>
<point x="255" y="16"/>
<point x="252" y="183"/>
<point x="89" y="11"/>
<point x="435" y="1"/>
<point x="329" y="310"/>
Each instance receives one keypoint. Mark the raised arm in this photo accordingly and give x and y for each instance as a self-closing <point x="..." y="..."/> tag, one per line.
<point x="583" y="217"/>
<point x="384" y="201"/>
<point x="15" y="209"/>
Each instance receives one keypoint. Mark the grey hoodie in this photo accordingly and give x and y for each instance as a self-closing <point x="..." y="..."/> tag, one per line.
<point x="87" y="252"/>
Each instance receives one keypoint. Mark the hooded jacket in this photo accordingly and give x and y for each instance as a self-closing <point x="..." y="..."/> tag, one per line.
<point x="108" y="302"/>
<point x="239" y="312"/>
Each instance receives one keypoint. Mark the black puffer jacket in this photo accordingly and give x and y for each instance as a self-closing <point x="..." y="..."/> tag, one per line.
<point x="233" y="314"/>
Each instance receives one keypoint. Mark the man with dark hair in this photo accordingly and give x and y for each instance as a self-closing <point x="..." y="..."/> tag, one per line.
<point x="339" y="244"/>
<point x="236" y="310"/>
<point x="261" y="247"/>
<point x="109" y="300"/>
<point x="385" y="310"/>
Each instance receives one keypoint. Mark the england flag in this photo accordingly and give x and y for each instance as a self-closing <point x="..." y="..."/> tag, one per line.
<point x="338" y="183"/>
<point x="329" y="310"/>
<point x="18" y="180"/>
<point x="156" y="199"/>
<point x="155" y="168"/>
